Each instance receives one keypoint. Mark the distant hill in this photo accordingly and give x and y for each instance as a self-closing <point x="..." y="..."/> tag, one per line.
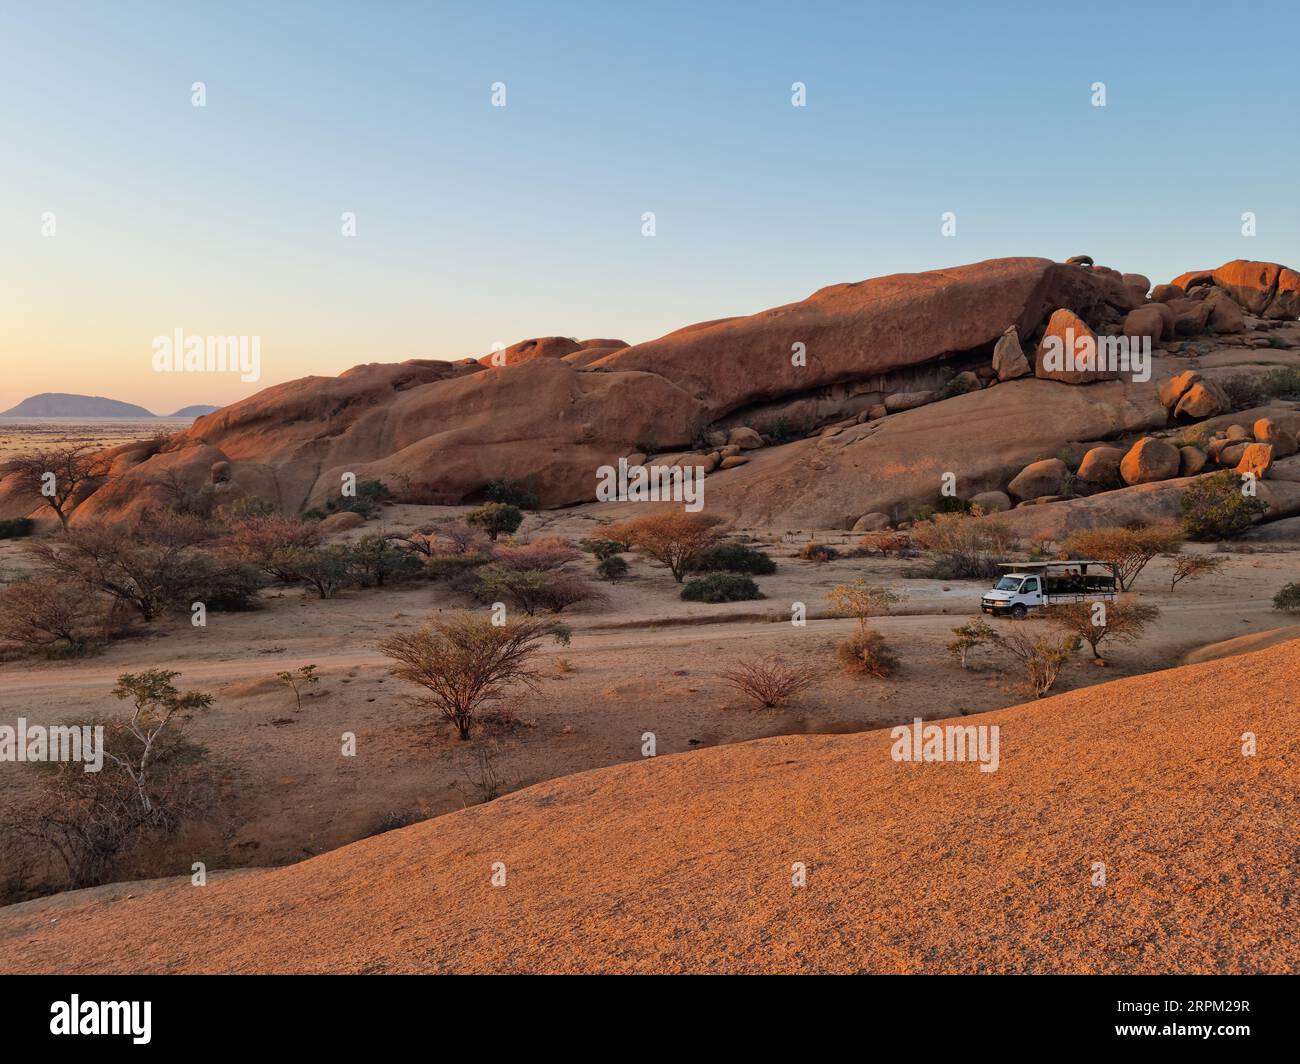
<point x="59" y="404"/>
<point x="197" y="410"/>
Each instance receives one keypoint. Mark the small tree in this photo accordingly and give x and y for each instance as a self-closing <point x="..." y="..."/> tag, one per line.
<point x="465" y="660"/>
<point x="674" y="538"/>
<point x="56" y="476"/>
<point x="496" y="517"/>
<point x="532" y="590"/>
<point x="267" y="542"/>
<point x="1094" y="622"/>
<point x="324" y="569"/>
<point x="971" y="636"/>
<point x="1194" y="566"/>
<point x="1215" y="507"/>
<point x="860" y="600"/>
<point x="304" y="677"/>
<point x="769" y="682"/>
<point x="1127" y="550"/>
<point x="46" y="614"/>
<point x="377" y="562"/>
<point x="156" y="707"/>
<point x="884" y="542"/>
<point x="1288" y="599"/>
<point x="1042" y="657"/>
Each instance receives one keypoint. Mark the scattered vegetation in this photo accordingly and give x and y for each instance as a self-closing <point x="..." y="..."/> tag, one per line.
<point x="1288" y="599"/>
<point x="860" y="600"/>
<point x="1282" y="382"/>
<point x="511" y="494"/>
<point x="56" y="476"/>
<point x="1041" y="656"/>
<point x="1127" y="550"/>
<point x="673" y="538"/>
<point x="613" y="568"/>
<point x="819" y="553"/>
<point x="965" y="547"/>
<point x="465" y="661"/>
<point x="769" y="682"/>
<point x="972" y="636"/>
<point x="866" y="653"/>
<point x="495" y="518"/>
<point x="303" y="678"/>
<point x="1215" y="508"/>
<point x="1120" y="621"/>
<point x="1193" y="566"/>
<point x="734" y="558"/>
<point x="721" y="587"/>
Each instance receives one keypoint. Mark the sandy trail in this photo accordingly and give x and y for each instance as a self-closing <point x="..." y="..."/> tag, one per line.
<point x="656" y="633"/>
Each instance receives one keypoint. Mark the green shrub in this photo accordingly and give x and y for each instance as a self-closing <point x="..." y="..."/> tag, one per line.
<point x="512" y="494"/>
<point x="734" y="558"/>
<point x="377" y="561"/>
<point x="1282" y="382"/>
<point x="370" y="496"/>
<point x="613" y="568"/>
<point x="954" y="386"/>
<point x="721" y="587"/>
<point x="603" y="548"/>
<point x="1243" y="391"/>
<point x="1215" y="508"/>
<point x="16" y="527"/>
<point x="1288" y="599"/>
<point x="495" y="518"/>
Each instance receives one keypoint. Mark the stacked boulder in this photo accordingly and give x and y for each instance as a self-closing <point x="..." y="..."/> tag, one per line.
<point x="1190" y="395"/>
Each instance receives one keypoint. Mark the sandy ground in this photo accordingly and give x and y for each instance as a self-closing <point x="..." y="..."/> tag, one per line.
<point x="1125" y="830"/>
<point x="644" y="662"/>
<point x="23" y="435"/>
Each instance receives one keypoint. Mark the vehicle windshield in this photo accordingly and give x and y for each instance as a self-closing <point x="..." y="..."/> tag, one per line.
<point x="1008" y="583"/>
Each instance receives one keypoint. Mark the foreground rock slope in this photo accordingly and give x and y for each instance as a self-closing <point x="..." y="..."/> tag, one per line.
<point x="683" y="863"/>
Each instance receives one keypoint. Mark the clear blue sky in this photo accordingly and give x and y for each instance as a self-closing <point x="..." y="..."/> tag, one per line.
<point x="479" y="224"/>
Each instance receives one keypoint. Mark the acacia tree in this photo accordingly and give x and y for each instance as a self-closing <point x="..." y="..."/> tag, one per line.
<point x="1194" y="566"/>
<point x="156" y="705"/>
<point x="55" y="475"/>
<point x="971" y="636"/>
<point x="465" y="660"/>
<point x="674" y="538"/>
<point x="1094" y="622"/>
<point x="42" y="613"/>
<point x="1126" y="549"/>
<point x="860" y="600"/>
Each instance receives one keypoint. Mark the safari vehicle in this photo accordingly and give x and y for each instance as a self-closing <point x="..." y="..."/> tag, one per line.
<point x="1032" y="585"/>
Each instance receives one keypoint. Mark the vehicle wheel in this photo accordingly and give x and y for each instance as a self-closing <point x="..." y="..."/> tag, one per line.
<point x="1018" y="612"/>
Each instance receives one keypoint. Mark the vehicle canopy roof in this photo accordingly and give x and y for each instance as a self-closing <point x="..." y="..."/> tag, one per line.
<point x="1040" y="567"/>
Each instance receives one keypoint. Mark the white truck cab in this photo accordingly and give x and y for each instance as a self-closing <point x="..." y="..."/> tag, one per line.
<point x="1032" y="585"/>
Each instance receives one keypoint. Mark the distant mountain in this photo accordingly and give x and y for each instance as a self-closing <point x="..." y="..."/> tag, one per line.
<point x="194" y="411"/>
<point x="59" y="404"/>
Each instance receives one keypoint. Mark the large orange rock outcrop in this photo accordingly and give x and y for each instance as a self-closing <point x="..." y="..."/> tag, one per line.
<point x="1266" y="289"/>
